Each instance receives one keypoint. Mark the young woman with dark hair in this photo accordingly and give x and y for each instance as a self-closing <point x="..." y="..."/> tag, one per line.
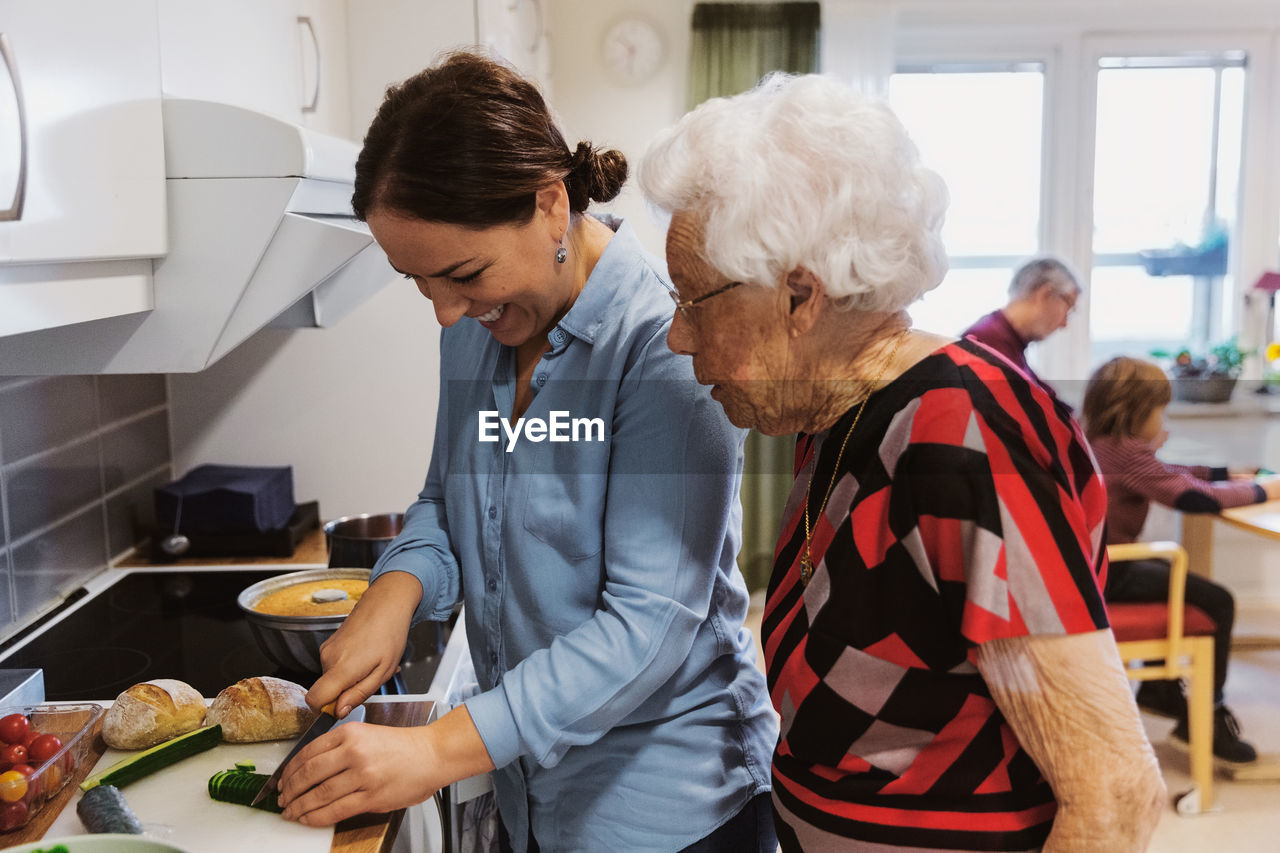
<point x="620" y="705"/>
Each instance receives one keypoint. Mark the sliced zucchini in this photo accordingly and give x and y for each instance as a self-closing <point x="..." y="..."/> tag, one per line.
<point x="161" y="755"/>
<point x="246" y="765"/>
<point x="240" y="787"/>
<point x="103" y="809"/>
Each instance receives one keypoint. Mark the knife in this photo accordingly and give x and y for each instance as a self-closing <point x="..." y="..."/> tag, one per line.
<point x="325" y="721"/>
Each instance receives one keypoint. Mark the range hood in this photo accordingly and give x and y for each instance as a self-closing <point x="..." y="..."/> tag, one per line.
<point x="260" y="229"/>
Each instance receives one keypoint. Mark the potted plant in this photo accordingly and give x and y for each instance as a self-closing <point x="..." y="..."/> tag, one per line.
<point x="1208" y="377"/>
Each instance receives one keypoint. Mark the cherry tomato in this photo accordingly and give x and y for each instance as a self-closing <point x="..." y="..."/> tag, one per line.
<point x="33" y="784"/>
<point x="14" y="753"/>
<point x="43" y="748"/>
<point x="14" y="727"/>
<point x="32" y="734"/>
<point x="13" y="786"/>
<point x="12" y="815"/>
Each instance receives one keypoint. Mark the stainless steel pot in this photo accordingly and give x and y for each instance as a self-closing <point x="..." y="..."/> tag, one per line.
<point x="293" y="641"/>
<point x="358" y="540"/>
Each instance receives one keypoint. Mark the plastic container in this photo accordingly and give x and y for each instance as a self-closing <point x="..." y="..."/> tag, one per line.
<point x="22" y="799"/>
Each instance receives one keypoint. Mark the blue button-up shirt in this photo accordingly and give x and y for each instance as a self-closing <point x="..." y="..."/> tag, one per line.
<point x="595" y="554"/>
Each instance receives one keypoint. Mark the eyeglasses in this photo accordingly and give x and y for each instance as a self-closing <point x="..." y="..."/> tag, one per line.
<point x="686" y="304"/>
<point x="1070" y="300"/>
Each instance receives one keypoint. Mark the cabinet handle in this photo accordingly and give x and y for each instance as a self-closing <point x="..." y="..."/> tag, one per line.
<point x="315" y="43"/>
<point x="14" y="211"/>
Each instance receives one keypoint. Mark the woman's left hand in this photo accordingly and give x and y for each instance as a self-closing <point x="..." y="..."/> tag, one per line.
<point x="358" y="768"/>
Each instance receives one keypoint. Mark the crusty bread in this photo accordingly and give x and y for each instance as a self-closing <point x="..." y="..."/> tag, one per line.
<point x="152" y="712"/>
<point x="261" y="708"/>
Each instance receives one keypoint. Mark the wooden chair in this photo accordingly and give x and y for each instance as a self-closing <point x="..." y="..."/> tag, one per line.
<point x="1172" y="640"/>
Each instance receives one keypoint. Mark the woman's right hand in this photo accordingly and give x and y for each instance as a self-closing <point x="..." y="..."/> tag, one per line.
<point x="367" y="648"/>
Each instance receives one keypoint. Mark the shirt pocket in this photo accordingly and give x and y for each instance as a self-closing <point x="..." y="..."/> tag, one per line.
<point x="565" y="512"/>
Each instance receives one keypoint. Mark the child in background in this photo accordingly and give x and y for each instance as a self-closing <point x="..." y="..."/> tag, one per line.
<point x="1123" y="413"/>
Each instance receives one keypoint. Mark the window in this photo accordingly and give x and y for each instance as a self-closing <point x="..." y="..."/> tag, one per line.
<point x="980" y="127"/>
<point x="1165" y="187"/>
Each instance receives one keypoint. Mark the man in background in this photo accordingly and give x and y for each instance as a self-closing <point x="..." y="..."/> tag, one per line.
<point x="1042" y="296"/>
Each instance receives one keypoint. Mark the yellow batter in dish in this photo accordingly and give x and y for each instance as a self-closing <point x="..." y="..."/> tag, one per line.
<point x="296" y="600"/>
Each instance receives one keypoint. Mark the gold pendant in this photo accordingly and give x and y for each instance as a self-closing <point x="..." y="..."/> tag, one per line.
<point x="806" y="569"/>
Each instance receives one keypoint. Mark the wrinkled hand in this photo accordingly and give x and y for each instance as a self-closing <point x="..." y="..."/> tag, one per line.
<point x="367" y="648"/>
<point x="358" y="768"/>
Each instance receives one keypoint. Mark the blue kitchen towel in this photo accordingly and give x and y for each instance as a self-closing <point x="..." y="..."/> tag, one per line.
<point x="213" y="499"/>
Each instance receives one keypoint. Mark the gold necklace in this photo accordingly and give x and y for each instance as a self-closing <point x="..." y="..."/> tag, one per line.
<point x="806" y="561"/>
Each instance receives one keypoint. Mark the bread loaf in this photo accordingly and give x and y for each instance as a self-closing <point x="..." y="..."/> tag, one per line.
<point x="152" y="712"/>
<point x="261" y="708"/>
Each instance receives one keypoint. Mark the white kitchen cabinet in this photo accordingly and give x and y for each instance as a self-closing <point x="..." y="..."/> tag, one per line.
<point x="81" y="145"/>
<point x="286" y="58"/>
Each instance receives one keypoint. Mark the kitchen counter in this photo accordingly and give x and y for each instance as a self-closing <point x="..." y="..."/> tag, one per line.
<point x="312" y="553"/>
<point x="368" y="833"/>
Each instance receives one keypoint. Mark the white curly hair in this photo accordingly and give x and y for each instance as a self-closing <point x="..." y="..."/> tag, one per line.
<point x="802" y="171"/>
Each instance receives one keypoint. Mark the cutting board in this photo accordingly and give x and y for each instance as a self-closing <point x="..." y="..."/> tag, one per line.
<point x="367" y="833"/>
<point x="174" y="804"/>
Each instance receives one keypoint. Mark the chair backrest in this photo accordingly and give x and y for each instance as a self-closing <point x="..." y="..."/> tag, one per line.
<point x="1174" y="609"/>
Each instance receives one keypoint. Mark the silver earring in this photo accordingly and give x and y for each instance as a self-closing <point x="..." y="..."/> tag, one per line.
<point x="562" y="254"/>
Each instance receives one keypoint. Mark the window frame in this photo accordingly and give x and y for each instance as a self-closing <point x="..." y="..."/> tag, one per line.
<point x="1069" y="55"/>
<point x="1253" y="247"/>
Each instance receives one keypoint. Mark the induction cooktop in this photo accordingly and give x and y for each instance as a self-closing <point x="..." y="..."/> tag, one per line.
<point x="171" y="624"/>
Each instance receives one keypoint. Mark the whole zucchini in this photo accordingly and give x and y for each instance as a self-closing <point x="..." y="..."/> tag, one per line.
<point x="161" y="755"/>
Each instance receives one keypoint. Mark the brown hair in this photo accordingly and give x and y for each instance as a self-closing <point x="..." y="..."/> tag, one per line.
<point x="1121" y="395"/>
<point x="470" y="142"/>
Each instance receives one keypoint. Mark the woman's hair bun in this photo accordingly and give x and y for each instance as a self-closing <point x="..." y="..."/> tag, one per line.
<point x="595" y="174"/>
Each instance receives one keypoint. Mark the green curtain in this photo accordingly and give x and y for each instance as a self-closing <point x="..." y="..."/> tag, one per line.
<point x="734" y="45"/>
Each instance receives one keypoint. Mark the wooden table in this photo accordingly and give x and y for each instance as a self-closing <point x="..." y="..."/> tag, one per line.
<point x="1261" y="519"/>
<point x="367" y="833"/>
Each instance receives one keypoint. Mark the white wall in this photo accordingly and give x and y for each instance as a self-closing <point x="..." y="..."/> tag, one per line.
<point x="592" y="106"/>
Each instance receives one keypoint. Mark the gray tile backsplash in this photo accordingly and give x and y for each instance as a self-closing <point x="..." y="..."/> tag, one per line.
<point x="80" y="457"/>
<point x="134" y="449"/>
<point x="131" y="513"/>
<point x="45" y="413"/>
<point x="47" y="567"/>
<point x="53" y="485"/>
<point x="122" y="396"/>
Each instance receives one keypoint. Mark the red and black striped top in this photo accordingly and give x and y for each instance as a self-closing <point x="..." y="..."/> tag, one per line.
<point x="967" y="508"/>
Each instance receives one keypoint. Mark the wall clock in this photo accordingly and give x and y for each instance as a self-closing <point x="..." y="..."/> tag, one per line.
<point x="633" y="50"/>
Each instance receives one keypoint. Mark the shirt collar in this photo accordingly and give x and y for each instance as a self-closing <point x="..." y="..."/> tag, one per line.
<point x="1004" y="320"/>
<point x="617" y="264"/>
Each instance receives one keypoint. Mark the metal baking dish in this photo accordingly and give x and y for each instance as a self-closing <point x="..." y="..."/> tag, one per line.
<point x="293" y="642"/>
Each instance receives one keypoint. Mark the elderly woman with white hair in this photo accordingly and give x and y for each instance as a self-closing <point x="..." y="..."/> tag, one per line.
<point x="935" y="636"/>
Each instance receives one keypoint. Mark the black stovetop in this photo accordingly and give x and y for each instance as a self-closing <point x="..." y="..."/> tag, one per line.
<point x="172" y="624"/>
